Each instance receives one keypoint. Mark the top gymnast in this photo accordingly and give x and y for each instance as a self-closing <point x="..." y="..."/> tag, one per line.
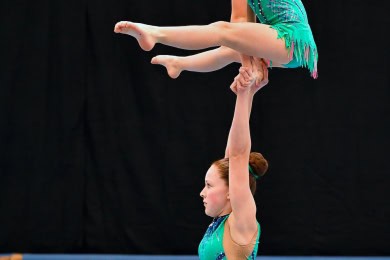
<point x="283" y="38"/>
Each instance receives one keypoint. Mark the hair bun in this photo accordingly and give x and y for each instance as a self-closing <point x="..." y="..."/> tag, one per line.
<point x="258" y="163"/>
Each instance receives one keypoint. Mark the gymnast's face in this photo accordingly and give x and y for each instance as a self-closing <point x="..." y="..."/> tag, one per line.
<point x="215" y="194"/>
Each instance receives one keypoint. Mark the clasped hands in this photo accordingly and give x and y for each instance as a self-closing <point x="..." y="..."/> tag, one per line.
<point x="251" y="79"/>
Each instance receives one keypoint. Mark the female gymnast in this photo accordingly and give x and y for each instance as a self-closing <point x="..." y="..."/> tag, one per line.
<point x="230" y="184"/>
<point x="283" y="37"/>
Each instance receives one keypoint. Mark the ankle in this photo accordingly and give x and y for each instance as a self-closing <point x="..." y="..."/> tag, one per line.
<point x="178" y="62"/>
<point x="156" y="33"/>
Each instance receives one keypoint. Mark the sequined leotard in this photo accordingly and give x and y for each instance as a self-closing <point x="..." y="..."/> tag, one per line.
<point x="212" y="245"/>
<point x="289" y="19"/>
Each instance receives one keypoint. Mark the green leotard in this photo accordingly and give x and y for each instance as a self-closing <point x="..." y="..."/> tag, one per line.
<point x="211" y="246"/>
<point x="289" y="19"/>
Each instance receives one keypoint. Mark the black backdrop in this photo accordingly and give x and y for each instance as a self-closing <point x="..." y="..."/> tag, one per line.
<point x="102" y="152"/>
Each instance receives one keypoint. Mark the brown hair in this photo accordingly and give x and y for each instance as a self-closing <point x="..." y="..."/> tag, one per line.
<point x="257" y="162"/>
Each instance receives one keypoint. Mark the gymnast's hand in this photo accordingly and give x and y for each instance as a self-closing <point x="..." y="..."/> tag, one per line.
<point x="260" y="72"/>
<point x="254" y="79"/>
<point x="244" y="81"/>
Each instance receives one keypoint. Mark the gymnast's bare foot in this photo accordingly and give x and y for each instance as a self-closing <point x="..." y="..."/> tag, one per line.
<point x="145" y="34"/>
<point x="171" y="63"/>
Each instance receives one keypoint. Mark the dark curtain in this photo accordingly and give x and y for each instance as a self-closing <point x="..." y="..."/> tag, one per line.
<point x="102" y="152"/>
